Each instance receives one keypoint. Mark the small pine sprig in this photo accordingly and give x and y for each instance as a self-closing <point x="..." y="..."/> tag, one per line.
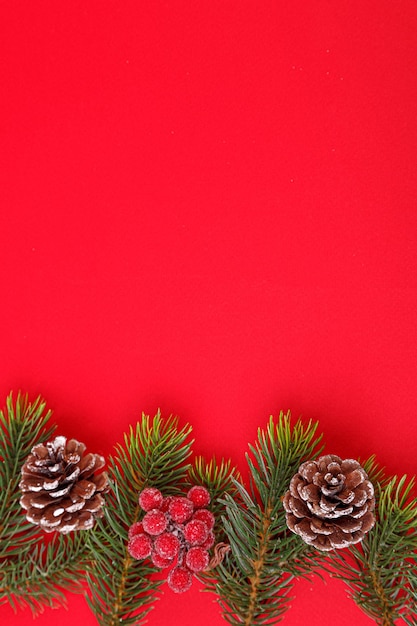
<point x="31" y="574"/>
<point x="413" y="588"/>
<point x="154" y="453"/>
<point x="218" y="478"/>
<point x="381" y="571"/>
<point x="254" y="580"/>
<point x="43" y="575"/>
<point x="23" y="424"/>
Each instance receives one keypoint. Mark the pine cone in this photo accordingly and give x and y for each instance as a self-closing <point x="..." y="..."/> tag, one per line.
<point x="330" y="503"/>
<point x="62" y="487"/>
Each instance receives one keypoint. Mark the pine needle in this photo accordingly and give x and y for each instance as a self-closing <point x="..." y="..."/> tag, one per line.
<point x="33" y="573"/>
<point x="381" y="571"/>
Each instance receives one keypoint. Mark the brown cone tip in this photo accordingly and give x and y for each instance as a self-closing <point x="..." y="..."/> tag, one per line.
<point x="330" y="503"/>
<point x="62" y="486"/>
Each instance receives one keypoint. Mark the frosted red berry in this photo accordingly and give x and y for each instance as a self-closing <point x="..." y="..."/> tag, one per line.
<point x="160" y="561"/>
<point x="155" y="522"/>
<point x="199" y="496"/>
<point x="167" y="545"/>
<point x="195" y="532"/>
<point x="165" y="503"/>
<point x="209" y="542"/>
<point x="180" y="579"/>
<point x="181" y="509"/>
<point x="197" y="559"/>
<point x="205" y="516"/>
<point x="140" y="546"/>
<point x="135" y="529"/>
<point x="150" y="498"/>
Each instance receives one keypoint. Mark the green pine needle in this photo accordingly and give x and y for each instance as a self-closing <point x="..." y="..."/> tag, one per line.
<point x="254" y="581"/>
<point x="44" y="574"/>
<point x="381" y="571"/>
<point x="22" y="425"/>
<point x="218" y="478"/>
<point x="33" y="572"/>
<point x="154" y="453"/>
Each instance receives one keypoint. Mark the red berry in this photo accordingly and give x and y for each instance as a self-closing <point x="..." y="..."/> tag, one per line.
<point x="140" y="546"/>
<point x="205" y="516"/>
<point x="197" y="559"/>
<point x="135" y="529"/>
<point x="167" y="545"/>
<point x="180" y="579"/>
<point x="209" y="542"/>
<point x="154" y="522"/>
<point x="165" y="503"/>
<point x="159" y="561"/>
<point x="199" y="496"/>
<point x="181" y="509"/>
<point x="195" y="532"/>
<point x="150" y="498"/>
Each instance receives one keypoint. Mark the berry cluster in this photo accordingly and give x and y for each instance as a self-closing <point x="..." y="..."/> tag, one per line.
<point x="176" y="531"/>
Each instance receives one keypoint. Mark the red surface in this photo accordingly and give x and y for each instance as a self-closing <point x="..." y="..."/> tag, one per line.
<point x="210" y="208"/>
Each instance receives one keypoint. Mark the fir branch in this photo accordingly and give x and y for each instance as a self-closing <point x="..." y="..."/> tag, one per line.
<point x="155" y="454"/>
<point x="254" y="581"/>
<point x="381" y="571"/>
<point x="42" y="575"/>
<point x="31" y="573"/>
<point x="22" y="425"/>
<point x="218" y="478"/>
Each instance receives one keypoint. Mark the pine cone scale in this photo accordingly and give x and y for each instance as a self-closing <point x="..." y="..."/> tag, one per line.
<point x="95" y="504"/>
<point x="72" y="473"/>
<point x="36" y="484"/>
<point x="84" y="488"/>
<point x="91" y="463"/>
<point x="355" y="478"/>
<point x="368" y="522"/>
<point x="299" y="507"/>
<point x="71" y="506"/>
<point x="308" y="492"/>
<point x="101" y="482"/>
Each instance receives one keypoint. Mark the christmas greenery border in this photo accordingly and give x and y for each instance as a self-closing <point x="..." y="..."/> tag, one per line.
<point x="260" y="556"/>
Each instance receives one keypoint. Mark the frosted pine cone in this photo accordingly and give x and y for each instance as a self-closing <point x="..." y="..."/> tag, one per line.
<point x="330" y="503"/>
<point x="62" y="487"/>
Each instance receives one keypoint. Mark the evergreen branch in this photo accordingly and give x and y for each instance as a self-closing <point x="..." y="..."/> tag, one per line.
<point x="218" y="478"/>
<point x="42" y="575"/>
<point x="31" y="574"/>
<point x="255" y="579"/>
<point x="411" y="619"/>
<point x="381" y="571"/>
<point x="22" y="425"/>
<point x="376" y="473"/>
<point x="278" y="453"/>
<point x="155" y="454"/>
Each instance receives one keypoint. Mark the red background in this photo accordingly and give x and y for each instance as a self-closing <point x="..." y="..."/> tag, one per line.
<point x="209" y="207"/>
